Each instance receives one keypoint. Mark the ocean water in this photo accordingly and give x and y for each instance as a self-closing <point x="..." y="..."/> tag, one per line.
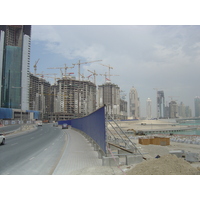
<point x="190" y="123"/>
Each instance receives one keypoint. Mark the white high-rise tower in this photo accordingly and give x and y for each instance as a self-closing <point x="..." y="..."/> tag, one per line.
<point x="148" y="108"/>
<point x="134" y="104"/>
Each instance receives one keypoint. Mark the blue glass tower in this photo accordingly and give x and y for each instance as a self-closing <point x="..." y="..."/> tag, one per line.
<point x="14" y="65"/>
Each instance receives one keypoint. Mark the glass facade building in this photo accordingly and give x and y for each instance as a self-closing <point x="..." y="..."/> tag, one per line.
<point x="14" y="66"/>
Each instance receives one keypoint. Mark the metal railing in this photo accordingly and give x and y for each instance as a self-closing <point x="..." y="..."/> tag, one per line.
<point x="118" y="131"/>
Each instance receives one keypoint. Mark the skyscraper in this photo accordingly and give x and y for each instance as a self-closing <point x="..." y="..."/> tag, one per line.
<point x="197" y="106"/>
<point x="148" y="108"/>
<point x="14" y="66"/>
<point x="134" y="104"/>
<point x="173" y="109"/>
<point x="160" y="104"/>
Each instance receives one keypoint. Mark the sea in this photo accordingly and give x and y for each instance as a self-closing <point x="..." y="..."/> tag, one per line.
<point x="191" y="123"/>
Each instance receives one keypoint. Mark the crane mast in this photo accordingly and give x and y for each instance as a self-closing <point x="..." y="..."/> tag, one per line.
<point x="35" y="67"/>
<point x="94" y="74"/>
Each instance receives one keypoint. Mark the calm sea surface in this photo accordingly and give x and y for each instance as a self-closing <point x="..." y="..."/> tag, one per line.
<point x="190" y="123"/>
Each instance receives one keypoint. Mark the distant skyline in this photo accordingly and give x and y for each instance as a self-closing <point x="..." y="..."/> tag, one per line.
<point x="146" y="57"/>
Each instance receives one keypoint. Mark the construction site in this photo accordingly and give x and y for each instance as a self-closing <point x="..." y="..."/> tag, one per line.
<point x="70" y="98"/>
<point x="156" y="154"/>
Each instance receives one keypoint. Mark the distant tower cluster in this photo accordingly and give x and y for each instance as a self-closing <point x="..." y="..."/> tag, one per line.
<point x="148" y="108"/>
<point x="134" y="104"/>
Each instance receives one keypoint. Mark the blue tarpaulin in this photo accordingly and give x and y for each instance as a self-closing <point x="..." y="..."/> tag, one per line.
<point x="6" y="113"/>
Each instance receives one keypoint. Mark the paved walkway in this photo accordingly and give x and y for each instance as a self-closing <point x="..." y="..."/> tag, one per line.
<point x="77" y="155"/>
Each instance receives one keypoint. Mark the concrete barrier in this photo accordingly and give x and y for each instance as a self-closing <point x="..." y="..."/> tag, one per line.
<point x="178" y="153"/>
<point x="110" y="161"/>
<point x="133" y="159"/>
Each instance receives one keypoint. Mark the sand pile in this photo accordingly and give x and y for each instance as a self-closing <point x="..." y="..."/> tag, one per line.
<point x="165" y="165"/>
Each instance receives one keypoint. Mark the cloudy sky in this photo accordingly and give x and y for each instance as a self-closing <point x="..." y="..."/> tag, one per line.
<point x="144" y="56"/>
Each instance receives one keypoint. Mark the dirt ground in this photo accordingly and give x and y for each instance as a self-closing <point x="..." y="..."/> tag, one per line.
<point x="167" y="164"/>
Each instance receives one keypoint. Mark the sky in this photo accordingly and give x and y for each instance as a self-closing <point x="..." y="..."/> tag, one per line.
<point x="147" y="57"/>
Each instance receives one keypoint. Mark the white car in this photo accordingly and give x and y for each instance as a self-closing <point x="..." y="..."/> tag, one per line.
<point x="39" y="124"/>
<point x="2" y="139"/>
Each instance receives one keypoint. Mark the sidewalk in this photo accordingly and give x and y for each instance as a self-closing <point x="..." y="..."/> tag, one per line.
<point x="77" y="155"/>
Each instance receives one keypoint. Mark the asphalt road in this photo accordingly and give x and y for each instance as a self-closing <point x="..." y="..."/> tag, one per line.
<point x="9" y="128"/>
<point x="34" y="153"/>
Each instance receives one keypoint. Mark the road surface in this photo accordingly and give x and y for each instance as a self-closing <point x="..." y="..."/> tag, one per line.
<point x="9" y="128"/>
<point x="34" y="153"/>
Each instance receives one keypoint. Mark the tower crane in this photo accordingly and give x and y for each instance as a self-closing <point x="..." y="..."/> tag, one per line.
<point x="107" y="79"/>
<point x="82" y="76"/>
<point x="89" y="77"/>
<point x="109" y="67"/>
<point x="79" y="65"/>
<point x="42" y="75"/>
<point x="65" y="67"/>
<point x="94" y="74"/>
<point x="35" y="67"/>
<point x="55" y="78"/>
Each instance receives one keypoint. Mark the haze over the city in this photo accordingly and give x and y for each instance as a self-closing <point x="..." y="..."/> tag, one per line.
<point x="146" y="57"/>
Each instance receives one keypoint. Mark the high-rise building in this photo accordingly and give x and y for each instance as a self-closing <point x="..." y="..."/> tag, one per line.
<point x="148" y="108"/>
<point x="188" y="111"/>
<point x="197" y="106"/>
<point x="123" y="109"/>
<point x="74" y="98"/>
<point x="173" y="109"/>
<point x="160" y="104"/>
<point x="109" y="95"/>
<point x="134" y="104"/>
<point x="40" y="94"/>
<point x="14" y="66"/>
<point x="182" y="110"/>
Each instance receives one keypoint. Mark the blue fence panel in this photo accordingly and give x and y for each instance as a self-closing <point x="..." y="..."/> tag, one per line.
<point x="64" y="122"/>
<point x="93" y="125"/>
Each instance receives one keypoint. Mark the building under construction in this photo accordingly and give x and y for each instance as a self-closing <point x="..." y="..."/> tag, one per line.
<point x="109" y="95"/>
<point x="123" y="110"/>
<point x="40" y="95"/>
<point x="72" y="98"/>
